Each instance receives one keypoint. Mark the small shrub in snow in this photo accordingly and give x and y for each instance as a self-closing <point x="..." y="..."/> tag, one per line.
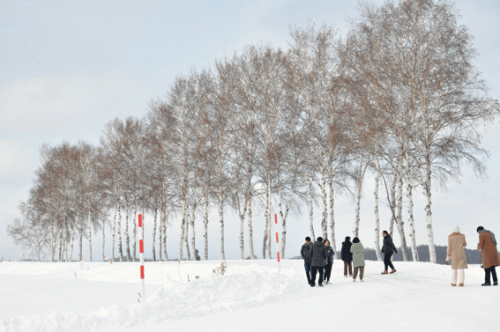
<point x="219" y="271"/>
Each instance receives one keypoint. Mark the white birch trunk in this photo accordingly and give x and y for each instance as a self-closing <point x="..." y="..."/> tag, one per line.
<point x="80" y="256"/>
<point x="392" y="203"/>
<point x="164" y="236"/>
<point x="160" y="240"/>
<point x="399" y="213"/>
<point x="155" y="224"/>
<point x="73" y="233"/>
<point x="90" y="237"/>
<point x="193" y="234"/>
<point x="120" y="245"/>
<point x="205" y="228"/>
<point x="269" y="222"/>
<point x="267" y="217"/>
<point x="103" y="237"/>
<point x="376" y="212"/>
<point x="186" y="236"/>
<point x="414" y="249"/>
<point x="59" y="258"/>
<point x="127" y="235"/>
<point x="250" y="231"/>
<point x="324" y="207"/>
<point x="310" y="204"/>
<point x="332" y="217"/>
<point x="359" y="189"/>
<point x="183" y="229"/>
<point x="409" y="197"/>
<point x="242" y="232"/>
<point x="135" y="221"/>
<point x="284" y="217"/>
<point x="52" y="241"/>
<point x="113" y="235"/>
<point x="428" y="212"/>
<point x="221" y="220"/>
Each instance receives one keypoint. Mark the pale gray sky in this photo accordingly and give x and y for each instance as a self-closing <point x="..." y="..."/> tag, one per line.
<point x="69" y="67"/>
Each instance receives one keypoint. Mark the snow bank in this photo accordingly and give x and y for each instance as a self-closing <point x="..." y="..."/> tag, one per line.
<point x="242" y="286"/>
<point x="250" y="296"/>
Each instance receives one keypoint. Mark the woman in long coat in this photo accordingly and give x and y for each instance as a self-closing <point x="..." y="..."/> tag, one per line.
<point x="456" y="253"/>
<point x="489" y="254"/>
<point x="358" y="258"/>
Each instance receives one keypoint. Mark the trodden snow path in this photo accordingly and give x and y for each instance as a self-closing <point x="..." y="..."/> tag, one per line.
<point x="251" y="296"/>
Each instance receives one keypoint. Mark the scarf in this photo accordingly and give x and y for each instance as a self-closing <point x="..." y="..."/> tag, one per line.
<point x="491" y="234"/>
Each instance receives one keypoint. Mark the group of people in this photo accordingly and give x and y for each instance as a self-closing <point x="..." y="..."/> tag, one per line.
<point x="318" y="257"/>
<point x="456" y="254"/>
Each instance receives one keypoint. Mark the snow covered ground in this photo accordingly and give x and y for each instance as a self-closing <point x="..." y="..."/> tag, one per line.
<point x="251" y="296"/>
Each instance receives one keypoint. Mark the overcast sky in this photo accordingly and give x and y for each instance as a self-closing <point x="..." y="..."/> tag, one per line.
<point x="67" y="68"/>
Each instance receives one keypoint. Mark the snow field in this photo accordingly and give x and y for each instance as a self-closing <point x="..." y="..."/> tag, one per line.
<point x="250" y="296"/>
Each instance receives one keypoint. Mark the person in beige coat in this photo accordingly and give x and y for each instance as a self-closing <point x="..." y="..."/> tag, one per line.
<point x="456" y="253"/>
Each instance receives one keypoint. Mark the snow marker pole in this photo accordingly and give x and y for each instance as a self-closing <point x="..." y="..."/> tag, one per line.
<point x="277" y="242"/>
<point x="141" y="254"/>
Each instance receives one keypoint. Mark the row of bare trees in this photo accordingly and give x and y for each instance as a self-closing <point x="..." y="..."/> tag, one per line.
<point x="397" y="96"/>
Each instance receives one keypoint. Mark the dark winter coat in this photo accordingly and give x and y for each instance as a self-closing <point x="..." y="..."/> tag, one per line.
<point x="345" y="252"/>
<point x="304" y="252"/>
<point x="318" y="254"/>
<point x="329" y="259"/>
<point x="388" y="246"/>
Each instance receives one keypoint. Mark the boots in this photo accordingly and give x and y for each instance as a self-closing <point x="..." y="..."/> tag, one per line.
<point x="393" y="270"/>
<point x="385" y="272"/>
<point x="453" y="285"/>
<point x="460" y="285"/>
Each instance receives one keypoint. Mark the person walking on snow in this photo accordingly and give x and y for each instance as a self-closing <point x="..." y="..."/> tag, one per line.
<point x="318" y="254"/>
<point x="388" y="249"/>
<point x="489" y="253"/>
<point x="304" y="252"/>
<point x="328" y="261"/>
<point x="346" y="256"/>
<point x="358" y="258"/>
<point x="456" y="253"/>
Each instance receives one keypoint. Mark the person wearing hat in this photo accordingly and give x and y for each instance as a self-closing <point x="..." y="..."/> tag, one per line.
<point x="456" y="254"/>
<point x="489" y="254"/>
<point x="304" y="252"/>
<point x="318" y="253"/>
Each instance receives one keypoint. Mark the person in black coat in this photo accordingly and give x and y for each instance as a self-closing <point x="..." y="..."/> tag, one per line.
<point x="318" y="253"/>
<point x="346" y="256"/>
<point x="388" y="249"/>
<point x="328" y="261"/>
<point x="304" y="252"/>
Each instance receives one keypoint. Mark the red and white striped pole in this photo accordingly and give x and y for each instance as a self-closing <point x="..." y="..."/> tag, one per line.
<point x="141" y="252"/>
<point x="277" y="242"/>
